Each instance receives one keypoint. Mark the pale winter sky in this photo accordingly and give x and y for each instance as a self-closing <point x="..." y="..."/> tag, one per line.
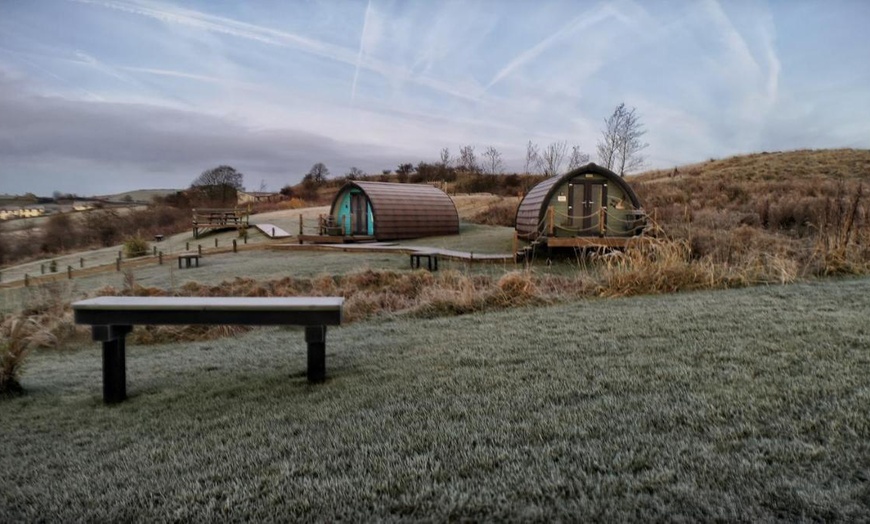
<point x="101" y="96"/>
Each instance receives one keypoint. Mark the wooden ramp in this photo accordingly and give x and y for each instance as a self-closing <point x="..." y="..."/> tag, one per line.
<point x="272" y="231"/>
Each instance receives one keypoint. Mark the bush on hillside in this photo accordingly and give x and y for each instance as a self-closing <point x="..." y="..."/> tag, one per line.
<point x="135" y="246"/>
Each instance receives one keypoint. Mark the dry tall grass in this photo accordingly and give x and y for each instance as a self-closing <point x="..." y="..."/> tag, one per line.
<point x="803" y="213"/>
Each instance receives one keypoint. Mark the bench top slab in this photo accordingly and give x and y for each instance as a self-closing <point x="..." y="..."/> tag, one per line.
<point x="278" y="304"/>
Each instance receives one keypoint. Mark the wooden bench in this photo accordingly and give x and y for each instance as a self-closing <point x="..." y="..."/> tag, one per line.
<point x="431" y="260"/>
<point x="112" y="318"/>
<point x="188" y="258"/>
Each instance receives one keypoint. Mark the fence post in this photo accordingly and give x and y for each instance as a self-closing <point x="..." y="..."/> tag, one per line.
<point x="300" y="224"/>
<point x="235" y="249"/>
<point x="120" y="254"/>
<point x="41" y="269"/>
<point x="69" y="272"/>
<point x="81" y="262"/>
<point x="155" y="251"/>
<point x="215" y="242"/>
<point x="199" y="249"/>
<point x="187" y="246"/>
<point x="160" y="258"/>
<point x="273" y="232"/>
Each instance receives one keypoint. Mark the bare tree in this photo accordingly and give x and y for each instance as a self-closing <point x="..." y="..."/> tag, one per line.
<point x="317" y="174"/>
<point x="532" y="154"/>
<point x="467" y="159"/>
<point x="445" y="158"/>
<point x="552" y="157"/>
<point x="220" y="183"/>
<point x="620" y="145"/>
<point x="355" y="173"/>
<point x="492" y="163"/>
<point x="577" y="158"/>
<point x="262" y="186"/>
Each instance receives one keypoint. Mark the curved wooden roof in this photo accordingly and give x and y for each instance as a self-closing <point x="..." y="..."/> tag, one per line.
<point x="402" y="211"/>
<point x="533" y="209"/>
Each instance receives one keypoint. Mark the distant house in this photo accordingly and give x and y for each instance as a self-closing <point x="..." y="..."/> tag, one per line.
<point x="22" y="212"/>
<point x="32" y="211"/>
<point x="253" y="197"/>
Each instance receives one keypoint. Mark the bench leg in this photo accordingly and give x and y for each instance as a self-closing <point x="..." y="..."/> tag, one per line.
<point x="114" y="361"/>
<point x="315" y="337"/>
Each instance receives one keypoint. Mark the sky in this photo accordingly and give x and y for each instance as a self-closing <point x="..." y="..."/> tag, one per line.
<point x="104" y="96"/>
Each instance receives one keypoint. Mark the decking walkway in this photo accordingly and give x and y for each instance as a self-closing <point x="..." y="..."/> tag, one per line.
<point x="382" y="247"/>
<point x="272" y="231"/>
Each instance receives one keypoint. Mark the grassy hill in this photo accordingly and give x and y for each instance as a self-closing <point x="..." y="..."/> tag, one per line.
<point x="742" y="405"/>
<point x="139" y="195"/>
<point x="782" y="166"/>
<point x="807" y="208"/>
<point x="450" y="400"/>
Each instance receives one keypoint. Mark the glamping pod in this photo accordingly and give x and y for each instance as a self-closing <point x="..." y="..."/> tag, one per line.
<point x="589" y="206"/>
<point x="388" y="211"/>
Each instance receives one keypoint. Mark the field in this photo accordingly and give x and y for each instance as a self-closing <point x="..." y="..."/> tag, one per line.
<point x="716" y="373"/>
<point x="733" y="405"/>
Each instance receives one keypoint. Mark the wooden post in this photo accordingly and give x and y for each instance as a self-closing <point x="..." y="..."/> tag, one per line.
<point x="300" y="225"/>
<point x="81" y="262"/>
<point x="41" y="269"/>
<point x="187" y="246"/>
<point x="120" y="254"/>
<point x="215" y="242"/>
<point x="160" y="258"/>
<point x="199" y="249"/>
<point x="551" y="219"/>
<point x="69" y="272"/>
<point x="235" y="249"/>
<point x="273" y="232"/>
<point x="315" y="337"/>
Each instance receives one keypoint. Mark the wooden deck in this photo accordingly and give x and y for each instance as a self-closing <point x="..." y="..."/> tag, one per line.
<point x="592" y="242"/>
<point x="272" y="231"/>
<point x="205" y="220"/>
<point x="333" y="239"/>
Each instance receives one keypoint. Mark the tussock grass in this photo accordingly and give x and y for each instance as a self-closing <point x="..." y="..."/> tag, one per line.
<point x="805" y="212"/>
<point x="742" y="405"/>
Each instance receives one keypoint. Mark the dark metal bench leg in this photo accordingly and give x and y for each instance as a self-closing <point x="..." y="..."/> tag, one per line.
<point x="315" y="337"/>
<point x="114" y="361"/>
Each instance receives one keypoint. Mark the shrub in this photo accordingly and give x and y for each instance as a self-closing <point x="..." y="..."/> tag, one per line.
<point x="135" y="246"/>
<point x="500" y="213"/>
<point x="13" y="352"/>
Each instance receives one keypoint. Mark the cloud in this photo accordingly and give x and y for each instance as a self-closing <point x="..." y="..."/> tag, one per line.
<point x="137" y="139"/>
<point x="585" y="20"/>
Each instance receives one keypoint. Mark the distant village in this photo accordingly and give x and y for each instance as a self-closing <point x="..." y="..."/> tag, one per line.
<point x="31" y="206"/>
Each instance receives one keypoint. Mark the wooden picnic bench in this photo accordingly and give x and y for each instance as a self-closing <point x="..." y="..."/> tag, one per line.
<point x="431" y="260"/>
<point x="188" y="258"/>
<point x="111" y="318"/>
